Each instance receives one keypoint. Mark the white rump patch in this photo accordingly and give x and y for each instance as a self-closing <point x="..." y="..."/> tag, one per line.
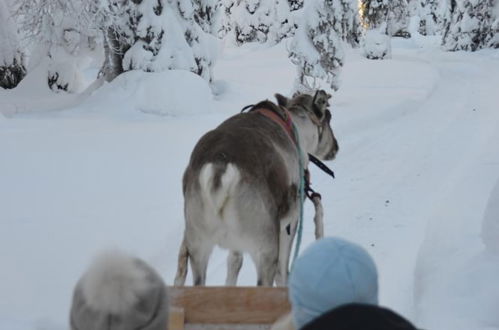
<point x="218" y="199"/>
<point x="114" y="282"/>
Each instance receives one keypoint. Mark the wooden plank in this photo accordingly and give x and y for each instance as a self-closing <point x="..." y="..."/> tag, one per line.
<point x="230" y="305"/>
<point x="176" y="318"/>
<point x="196" y="326"/>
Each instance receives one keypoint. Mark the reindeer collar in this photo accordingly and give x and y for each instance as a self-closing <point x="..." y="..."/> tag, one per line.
<point x="278" y="114"/>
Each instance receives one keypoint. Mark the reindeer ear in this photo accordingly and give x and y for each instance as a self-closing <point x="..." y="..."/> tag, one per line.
<point x="281" y="100"/>
<point x="321" y="103"/>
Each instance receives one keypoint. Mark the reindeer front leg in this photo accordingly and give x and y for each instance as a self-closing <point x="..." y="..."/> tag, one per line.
<point x="319" y="216"/>
<point x="286" y="237"/>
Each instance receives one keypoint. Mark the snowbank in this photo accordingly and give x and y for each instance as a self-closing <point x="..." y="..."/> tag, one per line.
<point x="490" y="225"/>
<point x="168" y="93"/>
<point x="33" y="94"/>
<point x="461" y="293"/>
<point x="377" y="45"/>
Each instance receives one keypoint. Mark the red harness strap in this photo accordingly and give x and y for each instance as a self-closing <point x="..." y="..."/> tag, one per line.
<point x="285" y="123"/>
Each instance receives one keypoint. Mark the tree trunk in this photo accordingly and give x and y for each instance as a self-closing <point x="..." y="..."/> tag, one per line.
<point x="114" y="50"/>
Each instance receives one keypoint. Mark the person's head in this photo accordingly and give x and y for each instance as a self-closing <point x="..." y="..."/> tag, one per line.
<point x="329" y="273"/>
<point x="360" y="316"/>
<point x="119" y="292"/>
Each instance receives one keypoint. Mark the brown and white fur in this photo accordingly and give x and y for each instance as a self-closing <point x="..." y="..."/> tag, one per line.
<point x="241" y="189"/>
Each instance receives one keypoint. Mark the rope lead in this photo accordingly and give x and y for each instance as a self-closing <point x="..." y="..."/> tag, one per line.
<point x="301" y="193"/>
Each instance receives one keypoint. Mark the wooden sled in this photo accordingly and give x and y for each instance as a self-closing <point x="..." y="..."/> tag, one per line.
<point x="226" y="308"/>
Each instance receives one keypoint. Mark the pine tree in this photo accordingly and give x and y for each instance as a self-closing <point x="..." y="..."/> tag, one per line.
<point x="428" y="13"/>
<point x="316" y="49"/>
<point x="346" y="20"/>
<point x="398" y="18"/>
<point x="65" y="31"/>
<point x="260" y="21"/>
<point x="374" y="18"/>
<point x="12" y="67"/>
<point x="207" y="14"/>
<point x="148" y="35"/>
<point x="472" y="25"/>
<point x="295" y="4"/>
<point x="390" y="13"/>
<point x="225" y="20"/>
<point x="200" y="45"/>
<point x="494" y="41"/>
<point x="373" y="13"/>
<point x="156" y="35"/>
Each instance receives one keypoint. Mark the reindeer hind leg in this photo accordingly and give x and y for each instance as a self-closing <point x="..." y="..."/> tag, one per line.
<point x="183" y="257"/>
<point x="199" y="254"/>
<point x="234" y="264"/>
<point x="266" y="266"/>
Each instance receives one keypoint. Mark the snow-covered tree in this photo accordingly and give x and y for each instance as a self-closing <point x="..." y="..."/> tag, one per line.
<point x="208" y="15"/>
<point x="64" y="32"/>
<point x="391" y="13"/>
<point x="444" y="15"/>
<point x="428" y="13"/>
<point x="382" y="19"/>
<point x="156" y="35"/>
<point x="376" y="44"/>
<point x="148" y="35"/>
<point x="260" y="21"/>
<point x="12" y="66"/>
<point x="398" y="18"/>
<point x="224" y="21"/>
<point x="316" y="49"/>
<point x="295" y="4"/>
<point x="374" y="18"/>
<point x="346" y="20"/>
<point x="472" y="25"/>
<point x="494" y="41"/>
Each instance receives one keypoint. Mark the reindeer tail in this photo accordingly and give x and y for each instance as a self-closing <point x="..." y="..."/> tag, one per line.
<point x="218" y="182"/>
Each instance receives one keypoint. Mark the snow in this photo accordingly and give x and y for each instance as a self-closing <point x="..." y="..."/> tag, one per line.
<point x="146" y="92"/>
<point x="417" y="164"/>
<point x="490" y="226"/>
<point x="376" y="44"/>
<point x="461" y="293"/>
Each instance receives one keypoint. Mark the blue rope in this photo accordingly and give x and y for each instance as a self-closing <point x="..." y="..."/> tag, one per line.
<point x="301" y="193"/>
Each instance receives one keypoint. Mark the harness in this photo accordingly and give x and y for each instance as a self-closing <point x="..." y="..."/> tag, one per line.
<point x="281" y="116"/>
<point x="283" y="119"/>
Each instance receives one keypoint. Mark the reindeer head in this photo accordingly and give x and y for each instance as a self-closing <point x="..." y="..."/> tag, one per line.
<point x="314" y="121"/>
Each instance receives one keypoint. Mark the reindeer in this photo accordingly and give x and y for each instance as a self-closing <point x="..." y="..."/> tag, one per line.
<point x="241" y="186"/>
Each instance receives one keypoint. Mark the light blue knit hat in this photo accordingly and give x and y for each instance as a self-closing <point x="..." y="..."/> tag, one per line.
<point x="329" y="273"/>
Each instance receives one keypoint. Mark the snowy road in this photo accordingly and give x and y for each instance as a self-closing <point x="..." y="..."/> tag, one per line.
<point x="418" y="158"/>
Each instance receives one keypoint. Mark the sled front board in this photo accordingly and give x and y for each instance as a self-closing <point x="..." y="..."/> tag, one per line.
<point x="227" y="308"/>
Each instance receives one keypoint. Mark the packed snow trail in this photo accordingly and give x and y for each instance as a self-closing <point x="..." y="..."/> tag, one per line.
<point x="403" y="161"/>
<point x="417" y="161"/>
<point x="459" y="293"/>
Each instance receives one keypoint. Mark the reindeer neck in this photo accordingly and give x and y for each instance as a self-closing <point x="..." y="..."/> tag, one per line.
<point x="307" y="131"/>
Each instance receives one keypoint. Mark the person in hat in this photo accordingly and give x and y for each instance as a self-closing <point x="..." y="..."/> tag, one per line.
<point x="334" y="284"/>
<point x="119" y="292"/>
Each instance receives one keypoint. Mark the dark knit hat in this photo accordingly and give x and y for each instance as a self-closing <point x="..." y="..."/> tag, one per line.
<point x="119" y="292"/>
<point x="360" y="317"/>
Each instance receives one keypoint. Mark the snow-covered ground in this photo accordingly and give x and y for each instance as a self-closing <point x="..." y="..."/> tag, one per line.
<point x="419" y="156"/>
